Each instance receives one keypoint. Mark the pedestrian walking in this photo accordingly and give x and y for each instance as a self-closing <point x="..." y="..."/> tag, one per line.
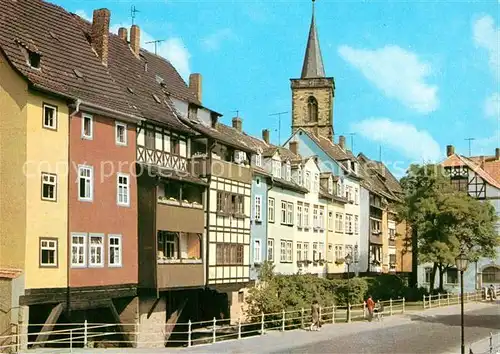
<point x="370" y="305"/>
<point x="316" y="321"/>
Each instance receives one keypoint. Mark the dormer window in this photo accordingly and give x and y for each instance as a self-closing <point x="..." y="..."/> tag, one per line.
<point x="258" y="160"/>
<point x="288" y="171"/>
<point x="299" y="177"/>
<point x="353" y="166"/>
<point x="316" y="183"/>
<point x="276" y="168"/>
<point x="340" y="188"/>
<point x="330" y="186"/>
<point x="307" y="180"/>
<point x="34" y="59"/>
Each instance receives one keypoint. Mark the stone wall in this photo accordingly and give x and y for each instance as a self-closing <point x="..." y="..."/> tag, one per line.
<point x="152" y="328"/>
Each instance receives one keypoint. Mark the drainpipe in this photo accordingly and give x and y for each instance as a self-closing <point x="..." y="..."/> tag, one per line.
<point x="76" y="107"/>
<point x="271" y="185"/>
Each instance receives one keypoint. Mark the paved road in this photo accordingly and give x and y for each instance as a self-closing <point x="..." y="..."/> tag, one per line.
<point x="433" y="331"/>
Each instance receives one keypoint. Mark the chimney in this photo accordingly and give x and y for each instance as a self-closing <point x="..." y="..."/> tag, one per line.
<point x="450" y="150"/>
<point x="265" y="135"/>
<point x="342" y="142"/>
<point x="294" y="147"/>
<point x="135" y="39"/>
<point x="100" y="33"/>
<point x="195" y="84"/>
<point x="238" y="124"/>
<point x="497" y="153"/>
<point x="122" y="33"/>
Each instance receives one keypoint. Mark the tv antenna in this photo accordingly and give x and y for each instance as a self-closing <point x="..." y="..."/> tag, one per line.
<point x="470" y="140"/>
<point x="352" y="141"/>
<point x="133" y="11"/>
<point x="156" y="44"/>
<point x="279" y="124"/>
<point x="380" y="152"/>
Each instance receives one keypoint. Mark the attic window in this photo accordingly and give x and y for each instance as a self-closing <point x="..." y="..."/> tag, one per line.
<point x="34" y="59"/>
<point x="157" y="99"/>
<point x="130" y="89"/>
<point x="78" y="73"/>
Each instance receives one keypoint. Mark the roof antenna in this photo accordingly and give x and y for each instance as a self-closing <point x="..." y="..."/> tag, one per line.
<point x="352" y="141"/>
<point x="380" y="152"/>
<point x="470" y="141"/>
<point x="133" y="11"/>
<point x="156" y="44"/>
<point x="279" y="125"/>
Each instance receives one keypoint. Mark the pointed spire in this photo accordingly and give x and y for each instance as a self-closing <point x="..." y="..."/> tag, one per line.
<point x="313" y="61"/>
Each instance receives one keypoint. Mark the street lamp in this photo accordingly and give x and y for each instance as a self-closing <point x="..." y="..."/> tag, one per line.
<point x="348" y="261"/>
<point x="461" y="262"/>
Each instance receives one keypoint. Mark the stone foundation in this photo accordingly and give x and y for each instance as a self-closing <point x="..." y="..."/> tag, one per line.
<point x="151" y="328"/>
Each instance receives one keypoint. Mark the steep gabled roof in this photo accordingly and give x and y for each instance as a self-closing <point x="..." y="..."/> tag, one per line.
<point x="458" y="160"/>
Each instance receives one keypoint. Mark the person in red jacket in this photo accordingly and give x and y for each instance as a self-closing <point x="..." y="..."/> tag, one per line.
<point x="370" y="304"/>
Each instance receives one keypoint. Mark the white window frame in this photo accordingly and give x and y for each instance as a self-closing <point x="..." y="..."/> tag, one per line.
<point x="91" y="135"/>
<point x="299" y="214"/>
<point x="123" y="185"/>
<point x="50" y="183"/>
<point x="315" y="252"/>
<point x="83" y="248"/>
<point x="330" y="220"/>
<point x="316" y="183"/>
<point x="339" y="251"/>
<point x="91" y="182"/>
<point x="276" y="168"/>
<point x="315" y="217"/>
<point x="305" y="251"/>
<point x="306" y="216"/>
<point x="125" y="131"/>
<point x="307" y="180"/>
<point x="321" y="251"/>
<point x="96" y="247"/>
<point x="283" y="211"/>
<point x="257" y="251"/>
<point x="120" y="249"/>
<point x="356" y="195"/>
<point x="321" y="217"/>
<point x="49" y="248"/>
<point x="288" y="171"/>
<point x="356" y="224"/>
<point x="289" y="251"/>
<point x="258" y="208"/>
<point x="54" y="117"/>
<point x="270" y="209"/>
<point x="299" y="176"/>
<point x="282" y="251"/>
<point x="270" y="250"/>
<point x="339" y="222"/>
<point x="298" y="250"/>
<point x="258" y="160"/>
<point x="289" y="213"/>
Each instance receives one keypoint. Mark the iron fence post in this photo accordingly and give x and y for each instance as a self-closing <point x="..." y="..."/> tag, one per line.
<point x="214" y="335"/>
<point x="85" y="324"/>
<point x="283" y="322"/>
<point x="189" y="333"/>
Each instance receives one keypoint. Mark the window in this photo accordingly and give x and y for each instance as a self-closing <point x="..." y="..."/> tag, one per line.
<point x="289" y="214"/>
<point x="312" y="109"/>
<point x="315" y="217"/>
<point x="276" y="168"/>
<point x="330" y="186"/>
<point x="241" y="296"/>
<point x="321" y="251"/>
<point x="49" y="187"/>
<point x="49" y="117"/>
<point x="283" y="251"/>
<point x="221" y="202"/>
<point x="257" y="181"/>
<point x="321" y="224"/>
<point x="308" y="180"/>
<point x="231" y="204"/>
<point x="392" y="234"/>
<point x="48" y="252"/>
<point x="150" y="139"/>
<point x="305" y="251"/>
<point x="120" y="133"/>
<point x="299" y="251"/>
<point x="289" y="250"/>
<point x="315" y="252"/>
<point x="96" y="250"/>
<point x="288" y="171"/>
<point x="340" y="188"/>
<point x="87" y="126"/>
<point x="316" y="183"/>
<point x="339" y="223"/>
<point x="392" y="259"/>
<point x="115" y="251"/>
<point x="451" y="276"/>
<point x="258" y="160"/>
<point x="348" y="223"/>
<point x="330" y="253"/>
<point x="348" y="194"/>
<point x="299" y="177"/>
<point x="338" y="252"/>
<point x="85" y="183"/>
<point x="348" y="251"/>
<point x="78" y="250"/>
<point x="299" y="214"/>
<point x="258" y="208"/>
<point x="229" y="254"/>
<point x="123" y="190"/>
<point x="356" y="196"/>
<point x="306" y="216"/>
<point x="168" y="245"/>
<point x="270" y="250"/>
<point x="375" y="226"/>
<point x="270" y="210"/>
<point x="283" y="212"/>
<point x="356" y="224"/>
<point x="256" y="251"/>
<point x="427" y="275"/>
<point x="491" y="275"/>
<point x="330" y="220"/>
<point x="34" y="59"/>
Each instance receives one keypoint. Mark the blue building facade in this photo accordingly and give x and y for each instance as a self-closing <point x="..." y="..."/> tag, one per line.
<point x="258" y="227"/>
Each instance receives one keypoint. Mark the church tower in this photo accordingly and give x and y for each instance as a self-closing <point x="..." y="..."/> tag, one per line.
<point x="313" y="93"/>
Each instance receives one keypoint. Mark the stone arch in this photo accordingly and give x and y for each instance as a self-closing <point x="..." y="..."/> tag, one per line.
<point x="312" y="109"/>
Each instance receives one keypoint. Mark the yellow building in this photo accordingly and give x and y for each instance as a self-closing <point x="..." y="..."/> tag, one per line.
<point x="33" y="191"/>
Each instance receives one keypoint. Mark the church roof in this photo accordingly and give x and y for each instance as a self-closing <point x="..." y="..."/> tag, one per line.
<point x="313" y="61"/>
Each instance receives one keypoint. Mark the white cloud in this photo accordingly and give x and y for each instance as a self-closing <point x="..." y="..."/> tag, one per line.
<point x="172" y="49"/>
<point x="486" y="145"/>
<point x="214" y="40"/>
<point x="487" y="36"/>
<point x="492" y="106"/>
<point x="400" y="74"/>
<point x="404" y="138"/>
<point x="83" y="15"/>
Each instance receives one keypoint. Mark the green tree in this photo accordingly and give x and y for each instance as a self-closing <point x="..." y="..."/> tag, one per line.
<point x="445" y="221"/>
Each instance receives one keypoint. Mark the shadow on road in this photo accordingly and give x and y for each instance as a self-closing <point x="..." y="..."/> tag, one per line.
<point x="482" y="321"/>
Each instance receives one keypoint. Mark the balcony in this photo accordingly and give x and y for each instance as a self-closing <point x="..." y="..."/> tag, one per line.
<point x="376" y="237"/>
<point x="179" y="260"/>
<point x="222" y="169"/>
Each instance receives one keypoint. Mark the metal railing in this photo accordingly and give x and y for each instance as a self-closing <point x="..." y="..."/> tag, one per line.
<point x="490" y="345"/>
<point x="88" y="335"/>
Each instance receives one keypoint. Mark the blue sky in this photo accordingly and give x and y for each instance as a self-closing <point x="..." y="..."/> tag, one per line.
<point x="411" y="76"/>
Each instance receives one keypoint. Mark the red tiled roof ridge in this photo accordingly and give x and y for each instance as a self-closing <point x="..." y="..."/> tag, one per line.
<point x="477" y="169"/>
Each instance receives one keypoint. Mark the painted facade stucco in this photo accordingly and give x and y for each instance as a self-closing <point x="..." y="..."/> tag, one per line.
<point x="258" y="228"/>
<point x="364" y="225"/>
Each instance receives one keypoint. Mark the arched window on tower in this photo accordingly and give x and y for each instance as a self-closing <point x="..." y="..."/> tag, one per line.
<point x="312" y="108"/>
